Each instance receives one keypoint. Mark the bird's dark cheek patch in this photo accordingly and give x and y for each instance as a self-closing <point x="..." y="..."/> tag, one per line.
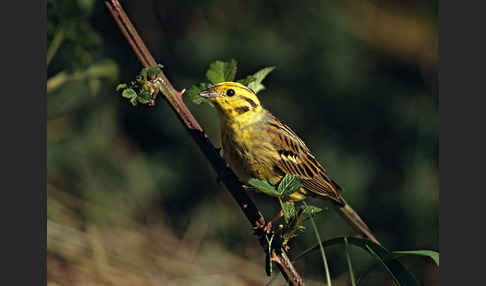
<point x="251" y="102"/>
<point x="242" y="109"/>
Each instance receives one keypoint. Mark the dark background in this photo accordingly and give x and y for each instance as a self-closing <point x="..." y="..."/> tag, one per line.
<point x="132" y="201"/>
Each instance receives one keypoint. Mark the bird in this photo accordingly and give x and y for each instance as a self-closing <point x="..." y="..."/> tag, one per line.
<point x="258" y="145"/>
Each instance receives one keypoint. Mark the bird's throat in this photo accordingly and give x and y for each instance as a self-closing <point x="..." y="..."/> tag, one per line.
<point x="235" y="120"/>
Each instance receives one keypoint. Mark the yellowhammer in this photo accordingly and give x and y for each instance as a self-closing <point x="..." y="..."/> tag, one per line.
<point x="258" y="145"/>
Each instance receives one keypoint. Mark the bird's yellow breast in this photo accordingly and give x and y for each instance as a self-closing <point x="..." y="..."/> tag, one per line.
<point x="248" y="150"/>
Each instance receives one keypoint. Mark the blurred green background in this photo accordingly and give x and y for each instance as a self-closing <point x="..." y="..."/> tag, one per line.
<point x="132" y="201"/>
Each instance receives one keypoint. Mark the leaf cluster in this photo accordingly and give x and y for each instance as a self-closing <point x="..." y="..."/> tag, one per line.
<point x="294" y="217"/>
<point x="142" y="89"/>
<point x="221" y="71"/>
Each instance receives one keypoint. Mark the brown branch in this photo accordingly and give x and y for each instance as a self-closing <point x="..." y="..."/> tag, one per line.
<point x="286" y="267"/>
<point x="226" y="175"/>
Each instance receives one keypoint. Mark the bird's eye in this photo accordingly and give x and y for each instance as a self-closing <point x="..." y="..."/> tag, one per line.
<point x="230" y="92"/>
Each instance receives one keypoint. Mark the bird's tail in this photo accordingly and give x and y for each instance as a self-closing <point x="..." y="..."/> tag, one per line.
<point x="355" y="221"/>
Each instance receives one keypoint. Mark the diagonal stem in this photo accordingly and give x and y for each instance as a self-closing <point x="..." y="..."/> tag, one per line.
<point x="174" y="99"/>
<point x="55" y="44"/>
<point x="323" y="253"/>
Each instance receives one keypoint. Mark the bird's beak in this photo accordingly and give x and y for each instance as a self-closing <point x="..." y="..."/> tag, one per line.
<point x="208" y="93"/>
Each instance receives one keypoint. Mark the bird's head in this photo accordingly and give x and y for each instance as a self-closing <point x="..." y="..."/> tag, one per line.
<point x="233" y="100"/>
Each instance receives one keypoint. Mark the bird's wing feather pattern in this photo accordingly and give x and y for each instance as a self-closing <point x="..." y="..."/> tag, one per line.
<point x="295" y="158"/>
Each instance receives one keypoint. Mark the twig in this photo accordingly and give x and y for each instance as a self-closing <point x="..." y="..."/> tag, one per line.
<point x="228" y="178"/>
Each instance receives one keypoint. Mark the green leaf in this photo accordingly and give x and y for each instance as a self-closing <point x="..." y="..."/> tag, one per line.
<point x="288" y="210"/>
<point x="428" y="253"/>
<point x="151" y="72"/>
<point x="309" y="211"/>
<point x="220" y="71"/>
<point x="294" y="218"/>
<point x="194" y="91"/>
<point x="348" y="260"/>
<point x="385" y="265"/>
<point x="133" y="101"/>
<point x="399" y="272"/>
<point x="254" y="81"/>
<point x="264" y="187"/>
<point x="396" y="254"/>
<point x="129" y="93"/>
<point x="144" y="97"/>
<point x="121" y="86"/>
<point x="323" y="254"/>
<point x="246" y="81"/>
<point x="289" y="185"/>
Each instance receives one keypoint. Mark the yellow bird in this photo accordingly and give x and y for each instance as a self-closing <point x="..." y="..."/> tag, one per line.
<point x="258" y="145"/>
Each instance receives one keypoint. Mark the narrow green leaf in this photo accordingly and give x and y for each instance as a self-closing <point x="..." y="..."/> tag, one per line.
<point x="133" y="101"/>
<point x="289" y="185"/>
<point x="55" y="44"/>
<point x="348" y="260"/>
<point x="264" y="187"/>
<point x="428" y="253"/>
<point x="129" y="93"/>
<point x="385" y="265"/>
<point x="397" y="254"/>
<point x="220" y="71"/>
<point x="367" y="271"/>
<point x="323" y="254"/>
<point x="401" y="274"/>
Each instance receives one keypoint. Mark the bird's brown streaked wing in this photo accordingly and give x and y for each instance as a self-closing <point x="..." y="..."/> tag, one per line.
<point x="296" y="159"/>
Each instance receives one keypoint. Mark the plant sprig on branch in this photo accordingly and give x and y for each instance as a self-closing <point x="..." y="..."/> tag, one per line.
<point x="143" y="88"/>
<point x="220" y="71"/>
<point x="294" y="217"/>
